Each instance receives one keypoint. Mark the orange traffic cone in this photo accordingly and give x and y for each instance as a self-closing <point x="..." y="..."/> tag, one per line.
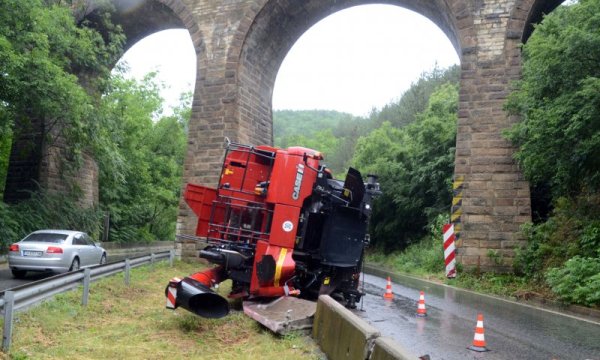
<point x="479" y="339"/>
<point x="388" y="290"/>
<point x="421" y="311"/>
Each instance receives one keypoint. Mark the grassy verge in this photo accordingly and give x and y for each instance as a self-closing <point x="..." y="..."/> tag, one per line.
<point x="425" y="260"/>
<point x="132" y="323"/>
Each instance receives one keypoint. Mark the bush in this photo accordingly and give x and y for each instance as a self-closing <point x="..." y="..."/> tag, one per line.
<point x="45" y="211"/>
<point x="425" y="256"/>
<point x="578" y="281"/>
<point x="9" y="227"/>
<point x="572" y="230"/>
<point x="559" y="101"/>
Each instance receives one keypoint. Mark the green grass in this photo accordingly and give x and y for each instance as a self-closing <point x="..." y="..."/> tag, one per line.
<point x="425" y="259"/>
<point x="507" y="285"/>
<point x="132" y="323"/>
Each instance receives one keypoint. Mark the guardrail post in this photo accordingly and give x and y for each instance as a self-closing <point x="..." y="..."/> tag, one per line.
<point x="9" y="302"/>
<point x="87" y="277"/>
<point x="152" y="260"/>
<point x="127" y="270"/>
<point x="171" y="257"/>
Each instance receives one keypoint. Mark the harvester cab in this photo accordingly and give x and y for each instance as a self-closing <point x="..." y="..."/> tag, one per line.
<point x="280" y="227"/>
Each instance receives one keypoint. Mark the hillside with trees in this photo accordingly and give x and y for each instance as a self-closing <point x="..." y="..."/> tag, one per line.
<point x="331" y="132"/>
<point x="335" y="134"/>
<point x="415" y="164"/>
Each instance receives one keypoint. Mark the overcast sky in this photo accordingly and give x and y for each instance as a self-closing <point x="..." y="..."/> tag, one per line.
<point x="352" y="61"/>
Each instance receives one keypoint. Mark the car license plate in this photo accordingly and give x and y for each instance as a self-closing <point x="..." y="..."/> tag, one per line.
<point x="32" y="253"/>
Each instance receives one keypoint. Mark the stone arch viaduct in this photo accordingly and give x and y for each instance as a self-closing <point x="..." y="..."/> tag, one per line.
<point x="240" y="45"/>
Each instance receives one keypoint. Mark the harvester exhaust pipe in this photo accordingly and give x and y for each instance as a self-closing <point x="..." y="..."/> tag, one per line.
<point x="195" y="297"/>
<point x="194" y="294"/>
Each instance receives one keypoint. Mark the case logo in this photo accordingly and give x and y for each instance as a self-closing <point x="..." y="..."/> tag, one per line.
<point x="287" y="226"/>
<point x="298" y="182"/>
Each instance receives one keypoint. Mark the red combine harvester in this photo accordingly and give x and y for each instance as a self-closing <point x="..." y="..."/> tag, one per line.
<point x="280" y="227"/>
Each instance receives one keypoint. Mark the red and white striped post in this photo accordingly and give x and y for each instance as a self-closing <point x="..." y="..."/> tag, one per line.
<point x="449" y="250"/>
<point x="172" y="293"/>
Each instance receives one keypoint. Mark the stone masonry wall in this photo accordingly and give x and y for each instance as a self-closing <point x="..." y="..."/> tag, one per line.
<point x="496" y="198"/>
<point x="40" y="159"/>
<point x="58" y="175"/>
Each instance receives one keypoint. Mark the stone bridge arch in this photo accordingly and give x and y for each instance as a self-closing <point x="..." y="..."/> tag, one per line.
<point x="141" y="18"/>
<point x="275" y="29"/>
<point x="527" y="13"/>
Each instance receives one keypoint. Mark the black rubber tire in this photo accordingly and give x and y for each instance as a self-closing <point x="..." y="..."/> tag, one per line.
<point x="18" y="274"/>
<point x="103" y="259"/>
<point x="75" y="265"/>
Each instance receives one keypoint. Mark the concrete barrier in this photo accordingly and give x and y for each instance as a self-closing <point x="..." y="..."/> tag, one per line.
<point x="387" y="349"/>
<point x="117" y="251"/>
<point x="342" y="335"/>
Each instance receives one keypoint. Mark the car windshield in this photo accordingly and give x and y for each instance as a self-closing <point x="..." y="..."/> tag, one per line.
<point x="47" y="237"/>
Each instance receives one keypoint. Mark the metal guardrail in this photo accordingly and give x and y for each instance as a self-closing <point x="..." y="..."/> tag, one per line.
<point x="24" y="296"/>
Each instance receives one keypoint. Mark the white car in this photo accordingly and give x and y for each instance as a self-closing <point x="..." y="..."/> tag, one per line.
<point x="54" y="250"/>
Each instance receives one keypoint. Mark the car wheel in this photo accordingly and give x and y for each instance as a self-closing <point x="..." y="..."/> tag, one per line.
<point x="19" y="274"/>
<point x="74" y="265"/>
<point x="103" y="259"/>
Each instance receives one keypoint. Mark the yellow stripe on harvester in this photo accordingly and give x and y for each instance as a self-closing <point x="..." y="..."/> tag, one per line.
<point x="279" y="266"/>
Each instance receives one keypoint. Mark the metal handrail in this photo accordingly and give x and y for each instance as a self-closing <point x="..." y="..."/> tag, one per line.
<point x="24" y="296"/>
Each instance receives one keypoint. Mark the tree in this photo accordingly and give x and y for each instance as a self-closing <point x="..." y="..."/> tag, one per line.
<point x="331" y="132"/>
<point x="558" y="101"/>
<point x="140" y="161"/>
<point x="415" y="166"/>
<point x="42" y="50"/>
<point x="5" y="146"/>
<point x="414" y="100"/>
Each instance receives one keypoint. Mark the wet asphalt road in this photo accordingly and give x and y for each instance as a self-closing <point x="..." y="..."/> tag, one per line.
<point x="512" y="331"/>
<point x="7" y="281"/>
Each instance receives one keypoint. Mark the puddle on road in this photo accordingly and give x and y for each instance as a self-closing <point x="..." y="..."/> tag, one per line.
<point x="378" y="307"/>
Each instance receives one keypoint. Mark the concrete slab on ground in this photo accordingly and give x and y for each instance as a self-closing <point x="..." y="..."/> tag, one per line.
<point x="283" y="314"/>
